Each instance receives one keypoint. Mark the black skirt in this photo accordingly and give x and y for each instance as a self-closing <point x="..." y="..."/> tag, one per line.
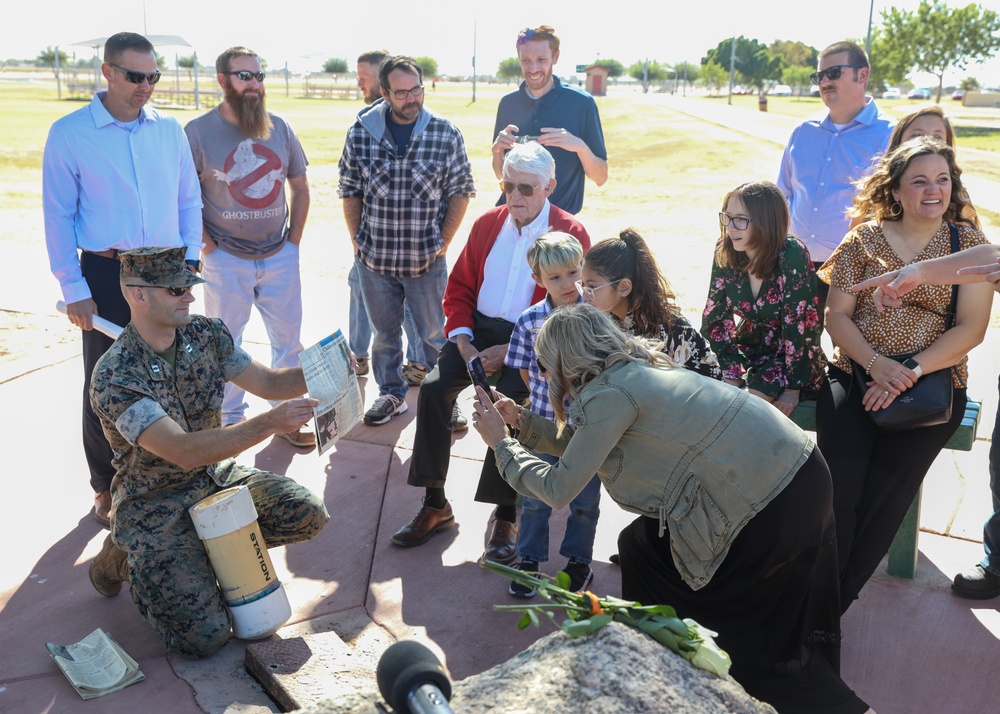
<point x="774" y="599"/>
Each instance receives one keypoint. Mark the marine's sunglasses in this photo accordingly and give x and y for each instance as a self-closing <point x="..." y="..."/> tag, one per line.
<point x="176" y="292"/>
<point x="832" y="72"/>
<point x="245" y="76"/>
<point x="138" y="77"/>
<point x="525" y="189"/>
<point x="740" y="223"/>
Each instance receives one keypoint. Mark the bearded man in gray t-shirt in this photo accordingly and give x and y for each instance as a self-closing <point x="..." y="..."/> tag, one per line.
<point x="244" y="156"/>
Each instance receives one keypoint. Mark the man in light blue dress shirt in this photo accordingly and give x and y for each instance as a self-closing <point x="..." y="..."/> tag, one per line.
<point x="830" y="150"/>
<point x="116" y="175"/>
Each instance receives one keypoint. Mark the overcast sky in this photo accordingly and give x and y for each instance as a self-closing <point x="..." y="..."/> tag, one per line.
<point x="305" y="33"/>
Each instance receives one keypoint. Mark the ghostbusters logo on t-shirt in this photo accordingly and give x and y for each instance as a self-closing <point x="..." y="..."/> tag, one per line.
<point x="254" y="175"/>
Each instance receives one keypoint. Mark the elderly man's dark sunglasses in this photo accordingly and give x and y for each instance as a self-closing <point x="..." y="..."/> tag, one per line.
<point x="525" y="189"/>
<point x="138" y="77"/>
<point x="246" y="76"/>
<point x="832" y="72"/>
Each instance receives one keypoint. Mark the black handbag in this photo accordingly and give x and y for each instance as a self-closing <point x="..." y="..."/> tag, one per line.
<point x="929" y="401"/>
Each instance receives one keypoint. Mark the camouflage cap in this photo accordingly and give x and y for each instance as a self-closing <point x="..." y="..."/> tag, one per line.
<point x="163" y="267"/>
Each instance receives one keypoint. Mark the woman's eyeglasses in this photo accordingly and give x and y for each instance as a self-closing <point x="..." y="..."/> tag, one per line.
<point x="176" y="292"/>
<point x="138" y="77"/>
<point x="588" y="292"/>
<point x="740" y="223"/>
<point x="832" y="72"/>
<point x="525" y="189"/>
<point x="245" y="76"/>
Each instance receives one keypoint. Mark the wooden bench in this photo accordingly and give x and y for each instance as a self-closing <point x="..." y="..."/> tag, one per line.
<point x="903" y="551"/>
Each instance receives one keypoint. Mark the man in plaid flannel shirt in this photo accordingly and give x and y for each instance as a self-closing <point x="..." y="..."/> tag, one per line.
<point x="406" y="181"/>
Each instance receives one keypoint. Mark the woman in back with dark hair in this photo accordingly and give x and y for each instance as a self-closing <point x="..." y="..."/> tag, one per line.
<point x="621" y="277"/>
<point x="763" y="276"/>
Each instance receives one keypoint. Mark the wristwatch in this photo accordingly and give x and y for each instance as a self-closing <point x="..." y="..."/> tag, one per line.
<point x="913" y="365"/>
<point x="196" y="264"/>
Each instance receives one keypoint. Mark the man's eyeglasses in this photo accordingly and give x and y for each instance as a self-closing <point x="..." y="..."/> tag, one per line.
<point x="138" y="77"/>
<point x="245" y="76"/>
<point x="740" y="223"/>
<point x="587" y="293"/>
<point x="176" y="292"/>
<point x="832" y="72"/>
<point x="402" y="94"/>
<point x="525" y="189"/>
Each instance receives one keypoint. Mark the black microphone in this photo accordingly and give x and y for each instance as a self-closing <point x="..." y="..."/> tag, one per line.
<point x="412" y="680"/>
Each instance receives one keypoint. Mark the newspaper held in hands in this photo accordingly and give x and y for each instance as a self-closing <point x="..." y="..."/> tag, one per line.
<point x="96" y="665"/>
<point x="327" y="369"/>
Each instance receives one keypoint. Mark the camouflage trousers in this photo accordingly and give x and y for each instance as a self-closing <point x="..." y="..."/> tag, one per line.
<point x="176" y="590"/>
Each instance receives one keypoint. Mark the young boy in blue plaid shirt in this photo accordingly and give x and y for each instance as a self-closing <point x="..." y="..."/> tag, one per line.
<point x="555" y="260"/>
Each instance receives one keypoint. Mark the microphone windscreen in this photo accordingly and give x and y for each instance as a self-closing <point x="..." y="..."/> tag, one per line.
<point x="406" y="665"/>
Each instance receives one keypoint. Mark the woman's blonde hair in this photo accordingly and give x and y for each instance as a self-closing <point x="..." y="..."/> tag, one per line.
<point x="578" y="342"/>
<point x="874" y="198"/>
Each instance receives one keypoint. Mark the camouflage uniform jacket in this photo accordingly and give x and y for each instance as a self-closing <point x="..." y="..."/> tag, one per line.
<point x="132" y="388"/>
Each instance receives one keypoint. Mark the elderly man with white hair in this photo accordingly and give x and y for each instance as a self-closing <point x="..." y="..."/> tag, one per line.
<point x="489" y="287"/>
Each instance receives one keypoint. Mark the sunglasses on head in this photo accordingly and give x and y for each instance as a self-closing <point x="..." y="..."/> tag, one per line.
<point x="525" y="189"/>
<point x="138" y="77"/>
<point x="176" y="292"/>
<point x="832" y="72"/>
<point x="245" y="76"/>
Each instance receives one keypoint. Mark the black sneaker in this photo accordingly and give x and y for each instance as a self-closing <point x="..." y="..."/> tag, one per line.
<point x="385" y="408"/>
<point x="458" y="420"/>
<point x="977" y="584"/>
<point x="580" y="575"/>
<point x="517" y="589"/>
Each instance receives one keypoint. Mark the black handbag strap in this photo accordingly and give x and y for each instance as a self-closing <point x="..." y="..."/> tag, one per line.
<point x="953" y="305"/>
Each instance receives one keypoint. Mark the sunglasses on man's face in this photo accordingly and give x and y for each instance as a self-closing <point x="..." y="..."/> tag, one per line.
<point x="138" y="77"/>
<point x="833" y="73"/>
<point x="525" y="189"/>
<point x="245" y="76"/>
<point x="176" y="292"/>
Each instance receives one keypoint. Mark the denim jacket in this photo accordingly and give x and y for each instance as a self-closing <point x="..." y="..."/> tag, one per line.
<point x="701" y="456"/>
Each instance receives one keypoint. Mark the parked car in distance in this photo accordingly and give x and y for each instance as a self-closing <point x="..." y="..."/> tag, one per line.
<point x="919" y="93"/>
<point x="814" y="91"/>
<point x="781" y="90"/>
<point x="891" y="93"/>
<point x="958" y="94"/>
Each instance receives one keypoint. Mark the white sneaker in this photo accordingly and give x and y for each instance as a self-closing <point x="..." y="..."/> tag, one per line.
<point x="385" y="408"/>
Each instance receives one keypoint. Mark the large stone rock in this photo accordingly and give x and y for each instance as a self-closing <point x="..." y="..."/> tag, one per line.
<point x="617" y="670"/>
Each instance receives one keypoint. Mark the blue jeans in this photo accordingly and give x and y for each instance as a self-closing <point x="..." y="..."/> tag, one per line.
<point x="991" y="531"/>
<point x="359" y="331"/>
<point x="581" y="524"/>
<point x="233" y="286"/>
<point x="384" y="298"/>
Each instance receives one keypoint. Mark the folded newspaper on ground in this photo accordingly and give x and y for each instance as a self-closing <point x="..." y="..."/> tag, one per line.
<point x="327" y="369"/>
<point x="96" y="665"/>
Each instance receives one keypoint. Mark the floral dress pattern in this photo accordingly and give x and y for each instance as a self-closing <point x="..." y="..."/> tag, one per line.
<point x="771" y="341"/>
<point x="683" y="344"/>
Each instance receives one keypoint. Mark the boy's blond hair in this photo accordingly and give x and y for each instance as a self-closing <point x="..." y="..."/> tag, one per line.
<point x="554" y="250"/>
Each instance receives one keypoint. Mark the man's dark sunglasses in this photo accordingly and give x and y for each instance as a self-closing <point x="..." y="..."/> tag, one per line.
<point x="832" y="72"/>
<point x="245" y="76"/>
<point x="176" y="292"/>
<point x="138" y="77"/>
<point x="525" y="189"/>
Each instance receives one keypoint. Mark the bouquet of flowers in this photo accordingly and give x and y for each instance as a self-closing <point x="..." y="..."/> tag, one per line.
<point x="588" y="613"/>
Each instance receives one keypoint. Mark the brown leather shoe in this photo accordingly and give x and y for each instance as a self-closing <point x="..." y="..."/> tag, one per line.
<point x="502" y="545"/>
<point x="109" y="569"/>
<point x="302" y="438"/>
<point x="425" y="524"/>
<point x="102" y="508"/>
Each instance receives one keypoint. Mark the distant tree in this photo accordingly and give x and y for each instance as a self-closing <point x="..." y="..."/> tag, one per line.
<point x="161" y="63"/>
<point x="187" y="63"/>
<point x="713" y="75"/>
<point x="969" y="84"/>
<point x="754" y="62"/>
<point x="428" y="66"/>
<point x="937" y="38"/>
<point x="686" y="69"/>
<point x="794" y="54"/>
<point x="509" y="69"/>
<point x="615" y="68"/>
<point x="797" y="77"/>
<point x="47" y="58"/>
<point x="654" y="72"/>
<point x="335" y="65"/>
<point x="263" y="62"/>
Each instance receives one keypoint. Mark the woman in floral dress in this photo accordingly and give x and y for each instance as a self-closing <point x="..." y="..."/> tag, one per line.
<point x="761" y="316"/>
